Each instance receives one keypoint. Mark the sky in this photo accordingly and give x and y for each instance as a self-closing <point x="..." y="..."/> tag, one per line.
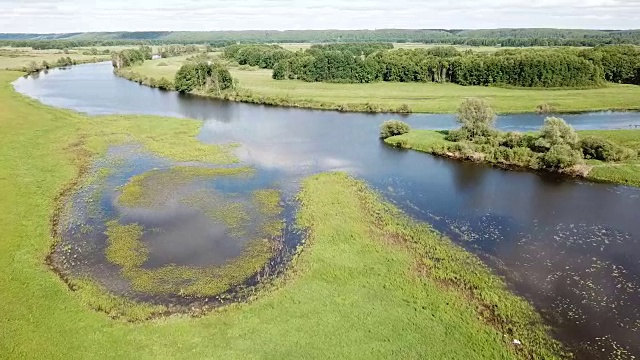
<point x="55" y="16"/>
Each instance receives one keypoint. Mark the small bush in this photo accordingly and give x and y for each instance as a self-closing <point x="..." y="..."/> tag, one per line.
<point x="458" y="135"/>
<point x="164" y="84"/>
<point x="392" y="128"/>
<point x="372" y="108"/>
<point x="600" y="149"/>
<point x="403" y="109"/>
<point x="162" y="64"/>
<point x="33" y="67"/>
<point x="556" y="131"/>
<point x="476" y="116"/>
<point x="491" y="138"/>
<point x="511" y="140"/>
<point x="561" y="157"/>
<point x="545" y="109"/>
<point x="401" y="143"/>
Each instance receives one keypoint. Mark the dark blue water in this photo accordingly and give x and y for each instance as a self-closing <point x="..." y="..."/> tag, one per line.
<point x="570" y="246"/>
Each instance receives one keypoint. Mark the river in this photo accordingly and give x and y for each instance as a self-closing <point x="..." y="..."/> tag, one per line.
<point x="569" y="246"/>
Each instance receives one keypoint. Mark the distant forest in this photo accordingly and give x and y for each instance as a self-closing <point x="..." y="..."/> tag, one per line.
<point x="489" y="37"/>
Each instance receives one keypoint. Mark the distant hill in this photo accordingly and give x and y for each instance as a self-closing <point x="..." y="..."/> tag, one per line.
<point x="488" y="37"/>
<point x="38" y="36"/>
<point x="245" y="35"/>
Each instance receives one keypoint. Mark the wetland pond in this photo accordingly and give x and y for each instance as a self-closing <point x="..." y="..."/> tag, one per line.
<point x="569" y="246"/>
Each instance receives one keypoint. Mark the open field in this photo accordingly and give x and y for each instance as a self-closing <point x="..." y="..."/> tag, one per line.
<point x="625" y="172"/>
<point x="18" y="58"/>
<point x="420" y="97"/>
<point x="482" y="49"/>
<point x="369" y="283"/>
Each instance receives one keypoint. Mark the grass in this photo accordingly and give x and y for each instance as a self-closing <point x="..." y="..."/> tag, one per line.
<point x="268" y="203"/>
<point x="358" y="291"/>
<point x="18" y="58"/>
<point x="434" y="272"/>
<point x="625" y="173"/>
<point x="481" y="49"/>
<point x="142" y="190"/>
<point x="125" y="248"/>
<point x="174" y="139"/>
<point x="487" y="49"/>
<point x="258" y="86"/>
<point x="628" y="172"/>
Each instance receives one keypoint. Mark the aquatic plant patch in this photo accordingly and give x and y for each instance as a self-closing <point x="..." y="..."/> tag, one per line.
<point x="142" y="226"/>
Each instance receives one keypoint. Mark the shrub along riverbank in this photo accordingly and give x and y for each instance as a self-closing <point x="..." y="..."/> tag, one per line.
<point x="370" y="284"/>
<point x="598" y="155"/>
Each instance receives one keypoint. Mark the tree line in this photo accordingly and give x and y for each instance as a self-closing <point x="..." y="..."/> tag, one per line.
<point x="263" y="56"/>
<point x="204" y="76"/>
<point x="176" y="50"/>
<point x="128" y="57"/>
<point x="356" y="49"/>
<point x="364" y="63"/>
<point x="70" y="44"/>
<point x="487" y="37"/>
<point x="34" y="67"/>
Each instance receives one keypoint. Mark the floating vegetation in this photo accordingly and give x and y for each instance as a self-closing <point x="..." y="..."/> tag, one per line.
<point x="153" y="187"/>
<point x="585" y="276"/>
<point x="125" y="248"/>
<point x="169" y="234"/>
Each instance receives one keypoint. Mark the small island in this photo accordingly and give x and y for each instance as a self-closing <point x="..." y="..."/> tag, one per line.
<point x="609" y="156"/>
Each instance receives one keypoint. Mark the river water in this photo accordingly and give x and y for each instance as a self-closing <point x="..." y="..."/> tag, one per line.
<point x="571" y="247"/>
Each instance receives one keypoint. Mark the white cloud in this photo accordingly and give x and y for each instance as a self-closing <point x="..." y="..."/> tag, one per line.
<point x="78" y="15"/>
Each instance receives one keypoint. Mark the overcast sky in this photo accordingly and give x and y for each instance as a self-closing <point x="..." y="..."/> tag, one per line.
<point x="44" y="16"/>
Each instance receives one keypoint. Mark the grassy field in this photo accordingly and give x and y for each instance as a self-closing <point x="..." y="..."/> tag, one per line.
<point x="487" y="49"/>
<point x="420" y="97"/>
<point x="623" y="173"/>
<point x="368" y="285"/>
<point x="626" y="172"/>
<point x="17" y="58"/>
<point x="482" y="49"/>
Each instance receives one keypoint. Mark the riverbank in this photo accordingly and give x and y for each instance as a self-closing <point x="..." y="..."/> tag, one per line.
<point x="623" y="172"/>
<point x="373" y="286"/>
<point x="256" y="86"/>
<point x="29" y="60"/>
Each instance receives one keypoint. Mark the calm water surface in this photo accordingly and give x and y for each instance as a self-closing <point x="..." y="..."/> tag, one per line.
<point x="571" y="247"/>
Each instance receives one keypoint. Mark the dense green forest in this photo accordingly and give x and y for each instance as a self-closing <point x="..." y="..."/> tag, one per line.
<point x="490" y="37"/>
<point x="364" y="63"/>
